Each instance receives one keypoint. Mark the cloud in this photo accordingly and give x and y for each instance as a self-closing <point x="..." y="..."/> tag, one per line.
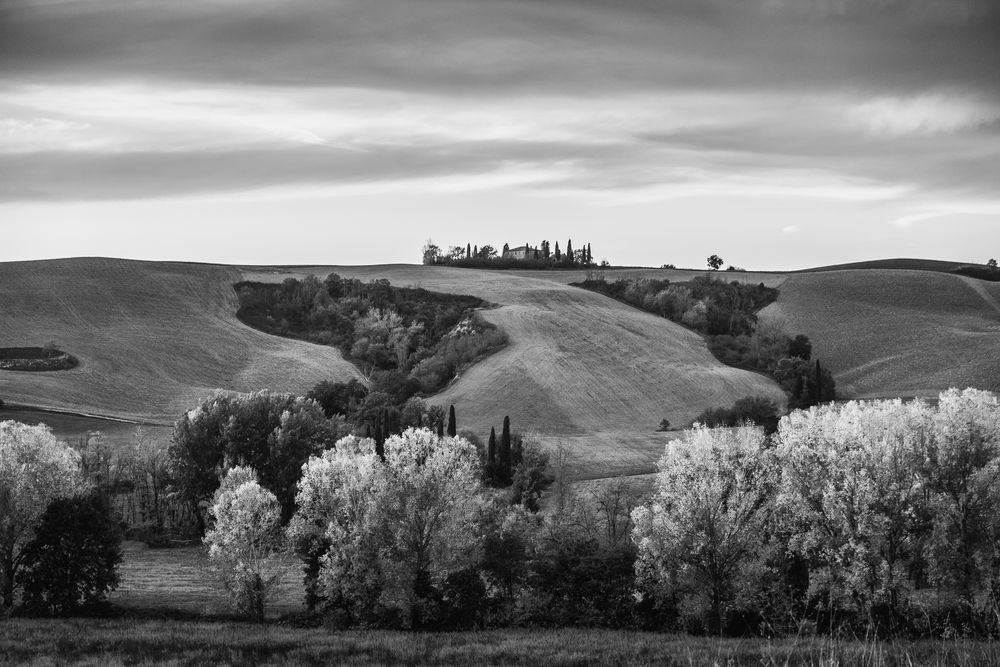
<point x="790" y="229"/>
<point x="928" y="113"/>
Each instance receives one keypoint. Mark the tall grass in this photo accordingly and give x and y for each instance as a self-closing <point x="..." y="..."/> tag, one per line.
<point x="123" y="641"/>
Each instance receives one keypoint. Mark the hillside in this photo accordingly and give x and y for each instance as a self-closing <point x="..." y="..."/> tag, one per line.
<point x="152" y="338"/>
<point x="581" y="368"/>
<point x="895" y="332"/>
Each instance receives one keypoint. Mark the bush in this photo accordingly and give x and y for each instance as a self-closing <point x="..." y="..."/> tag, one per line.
<point x="73" y="558"/>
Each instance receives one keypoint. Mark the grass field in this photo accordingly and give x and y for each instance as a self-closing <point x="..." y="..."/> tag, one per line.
<point x="152" y="338"/>
<point x="179" y="581"/>
<point x="581" y="368"/>
<point x="151" y="642"/>
<point x="897" y="332"/>
<point x="74" y="428"/>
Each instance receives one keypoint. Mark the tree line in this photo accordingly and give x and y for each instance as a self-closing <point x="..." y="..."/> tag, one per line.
<point x="870" y="518"/>
<point x="540" y="256"/>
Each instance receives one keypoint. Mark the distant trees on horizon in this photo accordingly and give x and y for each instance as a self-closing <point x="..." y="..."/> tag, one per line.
<point x="523" y="256"/>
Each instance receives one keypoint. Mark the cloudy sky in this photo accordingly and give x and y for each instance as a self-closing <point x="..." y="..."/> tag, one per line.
<point x="777" y="133"/>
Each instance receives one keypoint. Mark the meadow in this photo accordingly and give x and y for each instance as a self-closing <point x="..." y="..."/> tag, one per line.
<point x="158" y="642"/>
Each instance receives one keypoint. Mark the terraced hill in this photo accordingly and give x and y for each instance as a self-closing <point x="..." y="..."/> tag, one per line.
<point x="897" y="332"/>
<point x="152" y="338"/>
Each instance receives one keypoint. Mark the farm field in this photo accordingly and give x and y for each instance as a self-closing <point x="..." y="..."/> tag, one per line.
<point x="896" y="332"/>
<point x="178" y="580"/>
<point x="76" y="428"/>
<point x="152" y="338"/>
<point x="153" y="642"/>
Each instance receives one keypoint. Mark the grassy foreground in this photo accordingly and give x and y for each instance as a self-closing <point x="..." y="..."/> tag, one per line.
<point x="125" y="642"/>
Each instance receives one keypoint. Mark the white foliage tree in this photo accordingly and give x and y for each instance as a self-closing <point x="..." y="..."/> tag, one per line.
<point x="246" y="541"/>
<point x="397" y="528"/>
<point x="334" y="504"/>
<point x="35" y="469"/>
<point x="963" y="473"/>
<point x="851" y="495"/>
<point x="703" y="530"/>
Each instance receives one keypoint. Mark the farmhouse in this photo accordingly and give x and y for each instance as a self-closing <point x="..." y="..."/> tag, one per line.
<point x="521" y="252"/>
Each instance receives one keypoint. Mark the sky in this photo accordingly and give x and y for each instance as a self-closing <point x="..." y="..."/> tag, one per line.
<point x="779" y="134"/>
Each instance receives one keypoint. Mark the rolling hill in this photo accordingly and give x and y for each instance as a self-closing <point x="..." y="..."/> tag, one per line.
<point x="582" y="369"/>
<point x="152" y="338"/>
<point x="897" y="332"/>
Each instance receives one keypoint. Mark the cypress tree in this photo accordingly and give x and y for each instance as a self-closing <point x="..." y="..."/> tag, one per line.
<point x="475" y="251"/>
<point x="468" y="250"/>
<point x="590" y="255"/>
<point x="569" y="251"/>
<point x="491" y="455"/>
<point x="452" y="430"/>
<point x="818" y="383"/>
<point x="505" y="458"/>
<point x="558" y="254"/>
<point x="506" y="248"/>
<point x="440" y="427"/>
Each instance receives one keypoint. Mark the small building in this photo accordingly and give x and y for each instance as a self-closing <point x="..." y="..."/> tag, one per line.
<point x="522" y="252"/>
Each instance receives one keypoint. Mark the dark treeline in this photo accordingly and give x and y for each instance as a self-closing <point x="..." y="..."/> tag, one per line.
<point x="726" y="314"/>
<point x="541" y="256"/>
<point x="404" y="340"/>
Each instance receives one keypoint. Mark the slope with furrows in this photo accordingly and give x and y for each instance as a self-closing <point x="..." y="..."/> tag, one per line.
<point x="152" y="338"/>
<point x="897" y="332"/>
<point x="580" y="368"/>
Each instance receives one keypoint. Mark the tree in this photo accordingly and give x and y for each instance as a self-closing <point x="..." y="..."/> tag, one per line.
<point x="963" y="473"/>
<point x="73" y="558"/>
<point x="504" y="458"/>
<point x="992" y="263"/>
<point x="330" y="483"/>
<point x="570" y="258"/>
<point x="715" y="262"/>
<point x="246" y="541"/>
<point x="431" y="253"/>
<point x="488" y="252"/>
<point x="800" y="347"/>
<point x="452" y="427"/>
<point x="468" y="251"/>
<point x="850" y="496"/>
<point x="558" y="254"/>
<point x="506" y="249"/>
<point x="35" y="469"/>
<point x="405" y="528"/>
<point x="272" y="433"/>
<point x="699" y="539"/>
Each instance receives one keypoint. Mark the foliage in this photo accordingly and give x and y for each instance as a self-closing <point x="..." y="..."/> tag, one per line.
<point x="700" y="539"/>
<point x="46" y="358"/>
<point x="72" y="560"/>
<point x="35" y="469"/>
<point x="400" y="531"/>
<point x="884" y="499"/>
<point x="245" y="542"/>
<point x="424" y="336"/>
<point x="272" y="433"/>
<point x="758" y="410"/>
<point x="715" y="262"/>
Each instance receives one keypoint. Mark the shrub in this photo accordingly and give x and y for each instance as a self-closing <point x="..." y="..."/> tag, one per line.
<point x="72" y="560"/>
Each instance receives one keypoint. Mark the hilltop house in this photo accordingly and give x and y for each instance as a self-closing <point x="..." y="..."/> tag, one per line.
<point x="521" y="252"/>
